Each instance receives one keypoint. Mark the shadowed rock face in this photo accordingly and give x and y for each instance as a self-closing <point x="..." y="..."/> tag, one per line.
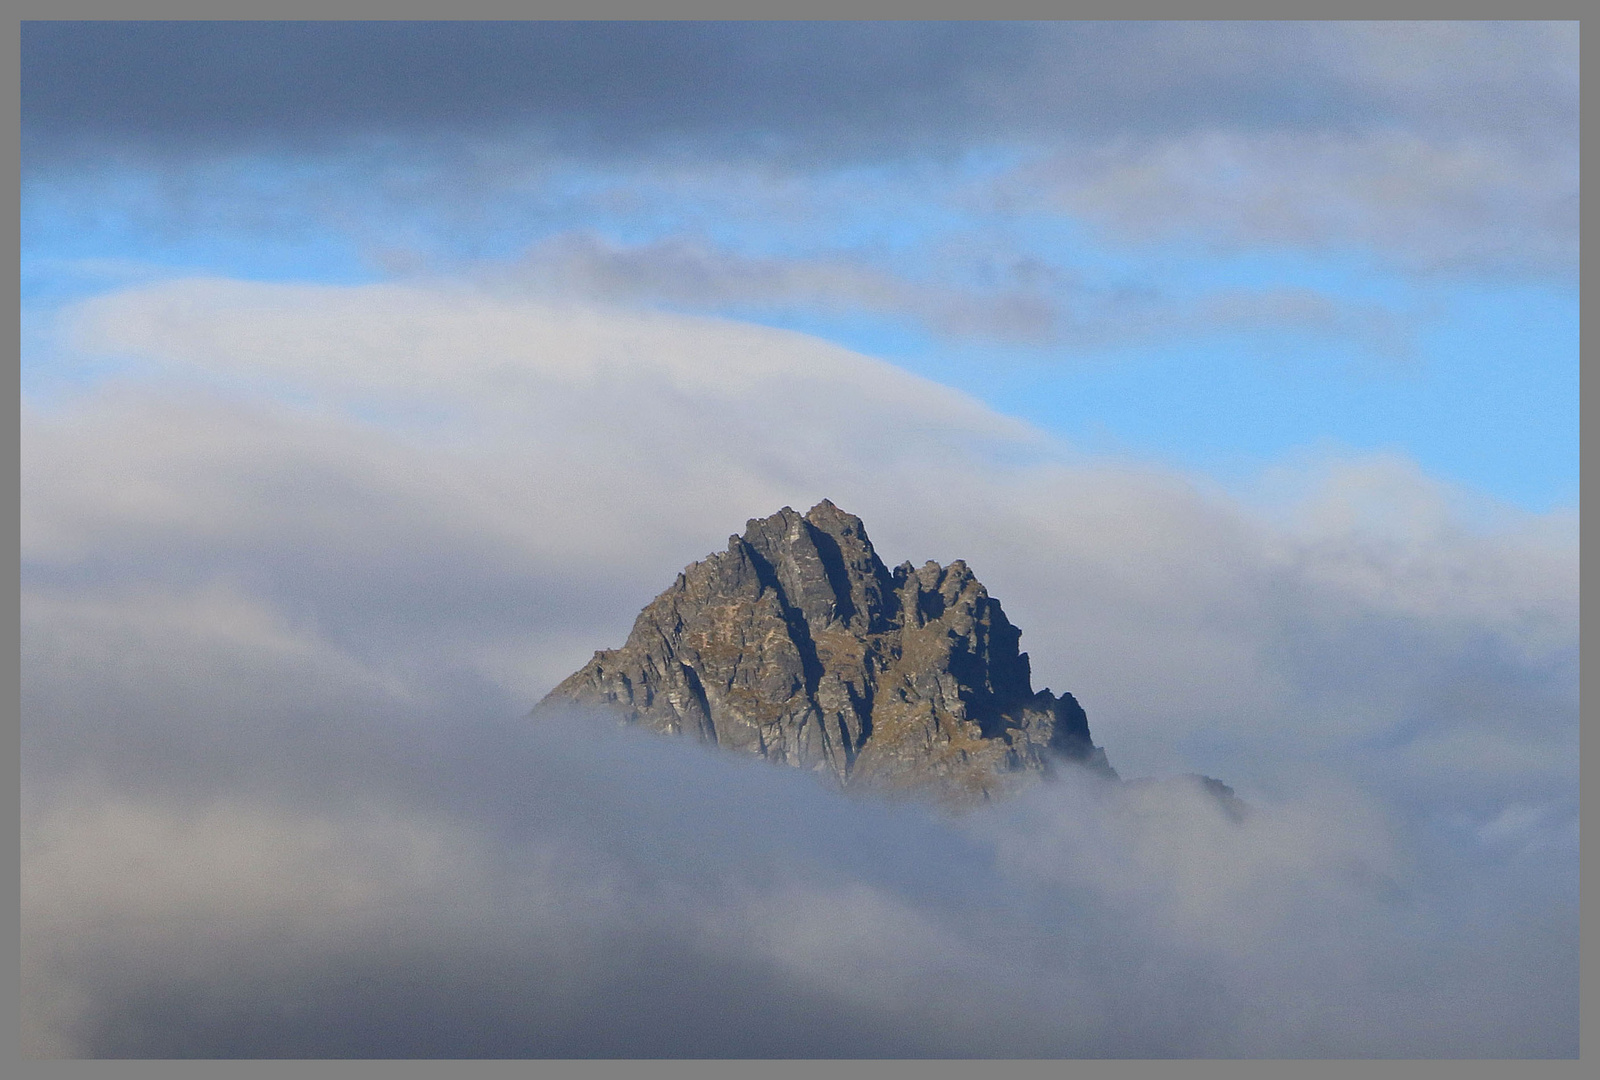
<point x="798" y="644"/>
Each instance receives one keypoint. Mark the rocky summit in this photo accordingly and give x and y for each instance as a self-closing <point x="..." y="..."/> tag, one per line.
<point x="798" y="644"/>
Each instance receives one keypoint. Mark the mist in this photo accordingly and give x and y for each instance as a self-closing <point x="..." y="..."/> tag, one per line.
<point x="567" y="889"/>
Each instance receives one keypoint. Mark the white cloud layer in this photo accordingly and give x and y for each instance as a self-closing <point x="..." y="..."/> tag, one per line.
<point x="291" y="576"/>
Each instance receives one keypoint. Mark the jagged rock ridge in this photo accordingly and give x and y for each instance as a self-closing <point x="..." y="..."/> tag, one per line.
<point x="798" y="644"/>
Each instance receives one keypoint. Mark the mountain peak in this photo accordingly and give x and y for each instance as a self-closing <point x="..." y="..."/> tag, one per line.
<point x="798" y="644"/>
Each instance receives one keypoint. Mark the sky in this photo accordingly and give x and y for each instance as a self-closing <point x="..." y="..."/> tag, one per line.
<point x="374" y="375"/>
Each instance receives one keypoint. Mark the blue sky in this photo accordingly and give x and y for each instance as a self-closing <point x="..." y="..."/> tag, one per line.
<point x="1385" y="264"/>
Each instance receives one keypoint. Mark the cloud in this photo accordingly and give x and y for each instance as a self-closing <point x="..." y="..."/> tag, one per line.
<point x="1436" y="146"/>
<point x="866" y="89"/>
<point x="1023" y="301"/>
<point x="681" y="272"/>
<point x="1432" y="205"/>
<point x="569" y="890"/>
<point x="291" y="578"/>
<point x="586" y="86"/>
<point x="1440" y="147"/>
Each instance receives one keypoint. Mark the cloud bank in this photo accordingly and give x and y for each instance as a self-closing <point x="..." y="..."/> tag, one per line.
<point x="293" y="572"/>
<point x="569" y="891"/>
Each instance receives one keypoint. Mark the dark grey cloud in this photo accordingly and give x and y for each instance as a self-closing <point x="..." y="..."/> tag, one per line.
<point x="612" y="86"/>
<point x="869" y="87"/>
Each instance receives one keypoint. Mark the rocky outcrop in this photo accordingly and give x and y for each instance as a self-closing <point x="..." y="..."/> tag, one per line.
<point x="799" y="645"/>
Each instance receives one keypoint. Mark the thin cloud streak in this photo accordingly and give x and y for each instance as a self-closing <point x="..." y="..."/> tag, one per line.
<point x="1028" y="303"/>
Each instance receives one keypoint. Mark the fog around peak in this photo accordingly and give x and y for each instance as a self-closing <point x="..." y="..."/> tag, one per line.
<point x="283" y="619"/>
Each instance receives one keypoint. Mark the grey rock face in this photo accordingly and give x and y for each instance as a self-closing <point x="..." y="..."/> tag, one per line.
<point x="798" y="644"/>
